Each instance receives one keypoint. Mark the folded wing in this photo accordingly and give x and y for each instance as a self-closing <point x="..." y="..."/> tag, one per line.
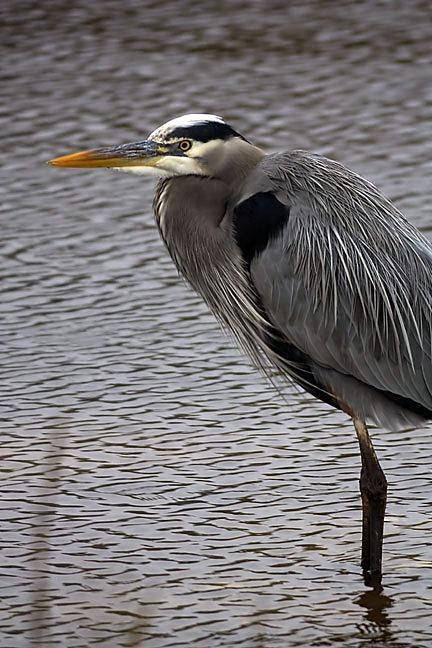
<point x="348" y="280"/>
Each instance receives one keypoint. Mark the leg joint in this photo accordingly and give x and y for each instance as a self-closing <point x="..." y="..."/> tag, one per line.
<point x="373" y="483"/>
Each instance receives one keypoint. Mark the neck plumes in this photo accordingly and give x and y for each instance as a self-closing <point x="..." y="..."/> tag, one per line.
<point x="191" y="216"/>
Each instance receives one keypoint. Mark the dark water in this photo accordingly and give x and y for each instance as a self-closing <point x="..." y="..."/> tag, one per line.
<point x="154" y="490"/>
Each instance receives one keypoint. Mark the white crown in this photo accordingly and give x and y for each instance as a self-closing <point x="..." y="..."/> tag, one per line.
<point x="185" y="121"/>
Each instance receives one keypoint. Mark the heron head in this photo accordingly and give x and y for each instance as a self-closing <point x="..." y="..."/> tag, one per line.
<point x="196" y="144"/>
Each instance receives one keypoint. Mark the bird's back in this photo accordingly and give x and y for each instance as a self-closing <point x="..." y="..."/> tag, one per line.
<point x="347" y="282"/>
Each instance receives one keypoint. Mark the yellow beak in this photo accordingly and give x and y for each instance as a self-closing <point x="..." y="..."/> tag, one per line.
<point x="145" y="153"/>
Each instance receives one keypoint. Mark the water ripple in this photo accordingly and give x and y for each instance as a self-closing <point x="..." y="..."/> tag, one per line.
<point x="155" y="491"/>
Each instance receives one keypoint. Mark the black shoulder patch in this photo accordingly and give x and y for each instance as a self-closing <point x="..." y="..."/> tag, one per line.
<point x="206" y="131"/>
<point x="256" y="221"/>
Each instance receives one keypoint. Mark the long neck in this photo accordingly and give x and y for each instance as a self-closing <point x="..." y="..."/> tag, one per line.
<point x="233" y="163"/>
<point x="189" y="211"/>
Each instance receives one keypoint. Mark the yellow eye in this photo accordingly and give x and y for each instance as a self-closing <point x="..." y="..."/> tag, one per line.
<point x="184" y="145"/>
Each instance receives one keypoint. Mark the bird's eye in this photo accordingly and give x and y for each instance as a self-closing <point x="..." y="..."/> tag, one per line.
<point x="184" y="145"/>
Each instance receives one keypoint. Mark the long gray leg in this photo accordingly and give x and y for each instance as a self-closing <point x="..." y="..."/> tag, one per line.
<point x="373" y="488"/>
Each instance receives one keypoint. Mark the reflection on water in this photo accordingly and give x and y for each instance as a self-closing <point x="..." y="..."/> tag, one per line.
<point x="155" y="491"/>
<point x="377" y="624"/>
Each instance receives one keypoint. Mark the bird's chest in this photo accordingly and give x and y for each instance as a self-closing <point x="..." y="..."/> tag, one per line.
<point x="204" y="250"/>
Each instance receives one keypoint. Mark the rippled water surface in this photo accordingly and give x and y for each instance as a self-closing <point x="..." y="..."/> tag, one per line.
<point x="155" y="491"/>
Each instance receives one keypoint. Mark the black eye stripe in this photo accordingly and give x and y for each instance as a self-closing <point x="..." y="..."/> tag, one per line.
<point x="205" y="132"/>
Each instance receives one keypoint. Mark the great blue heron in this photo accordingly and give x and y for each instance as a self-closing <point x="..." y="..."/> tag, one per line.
<point x="315" y="272"/>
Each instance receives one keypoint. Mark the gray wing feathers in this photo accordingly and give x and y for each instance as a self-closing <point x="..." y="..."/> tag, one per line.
<point x="349" y="280"/>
